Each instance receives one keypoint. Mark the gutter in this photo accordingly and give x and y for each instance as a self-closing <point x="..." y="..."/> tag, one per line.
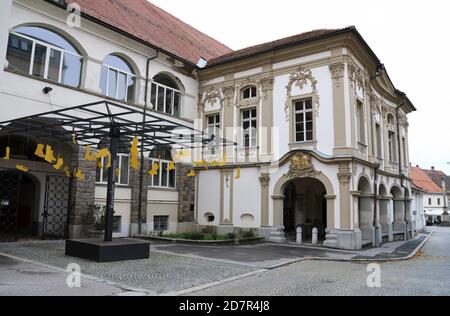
<point x="141" y="170"/>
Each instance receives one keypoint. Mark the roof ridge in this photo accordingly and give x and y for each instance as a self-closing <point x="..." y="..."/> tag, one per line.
<point x="277" y="43"/>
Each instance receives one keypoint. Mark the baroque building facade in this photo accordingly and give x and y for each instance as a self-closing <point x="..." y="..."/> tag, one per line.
<point x="321" y="132"/>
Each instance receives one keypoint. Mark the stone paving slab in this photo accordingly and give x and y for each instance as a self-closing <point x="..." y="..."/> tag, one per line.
<point x="160" y="274"/>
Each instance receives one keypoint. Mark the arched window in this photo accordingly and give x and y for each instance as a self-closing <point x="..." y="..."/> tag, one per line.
<point x="249" y="93"/>
<point x="166" y="95"/>
<point x="165" y="178"/>
<point x="117" y="79"/>
<point x="40" y="52"/>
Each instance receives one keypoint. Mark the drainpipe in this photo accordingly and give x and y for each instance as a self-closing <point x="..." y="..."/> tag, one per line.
<point x="141" y="171"/>
<point x="375" y="205"/>
<point x="400" y="166"/>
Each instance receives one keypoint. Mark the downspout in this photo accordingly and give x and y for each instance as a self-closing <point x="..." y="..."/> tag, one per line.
<point x="141" y="171"/>
<point x="400" y="166"/>
<point x="375" y="205"/>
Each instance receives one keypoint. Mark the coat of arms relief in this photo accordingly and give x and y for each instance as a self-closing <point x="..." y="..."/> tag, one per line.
<point x="301" y="167"/>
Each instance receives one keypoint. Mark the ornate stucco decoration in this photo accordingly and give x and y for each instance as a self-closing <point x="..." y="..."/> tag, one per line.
<point x="344" y="177"/>
<point x="375" y="103"/>
<point x="356" y="76"/>
<point x="300" y="78"/>
<point x="266" y="85"/>
<point x="211" y="97"/>
<point x="301" y="167"/>
<point x="337" y="73"/>
<point x="264" y="180"/>
<point x="229" y="94"/>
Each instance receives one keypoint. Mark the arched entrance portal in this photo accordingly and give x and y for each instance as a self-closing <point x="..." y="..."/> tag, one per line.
<point x="305" y="205"/>
<point x="19" y="205"/>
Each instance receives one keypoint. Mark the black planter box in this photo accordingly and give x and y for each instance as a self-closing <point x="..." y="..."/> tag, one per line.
<point x="101" y="251"/>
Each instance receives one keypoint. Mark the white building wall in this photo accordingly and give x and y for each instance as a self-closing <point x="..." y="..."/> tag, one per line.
<point x="209" y="196"/>
<point x="247" y="199"/>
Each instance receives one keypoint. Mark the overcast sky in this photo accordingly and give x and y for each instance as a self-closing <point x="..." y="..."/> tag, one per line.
<point x="412" y="38"/>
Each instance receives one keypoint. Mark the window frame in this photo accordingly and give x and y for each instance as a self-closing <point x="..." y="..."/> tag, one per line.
<point x="305" y="112"/>
<point x="173" y="93"/>
<point x="249" y="120"/>
<point x="128" y="75"/>
<point x="216" y="126"/>
<point x="165" y="221"/>
<point x="360" y="122"/>
<point x="104" y="175"/>
<point x="161" y="162"/>
<point x="250" y="93"/>
<point x="49" y="47"/>
<point x="391" y="147"/>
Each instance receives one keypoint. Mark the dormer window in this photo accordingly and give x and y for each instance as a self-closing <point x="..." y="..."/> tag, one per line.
<point x="249" y="93"/>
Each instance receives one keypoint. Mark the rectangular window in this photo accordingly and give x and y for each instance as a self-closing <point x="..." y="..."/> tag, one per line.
<point x="438" y="201"/>
<point x="117" y="224"/>
<point x="404" y="158"/>
<point x="379" y="141"/>
<point x="391" y="147"/>
<point x="429" y="201"/>
<point x="164" y="178"/>
<point x="160" y="223"/>
<point x="119" y="85"/>
<point x="303" y="119"/>
<point x="165" y="99"/>
<point x="122" y="173"/>
<point x="360" y="122"/>
<point x="40" y="56"/>
<point x="249" y="128"/>
<point x="213" y="122"/>
<point x="19" y="53"/>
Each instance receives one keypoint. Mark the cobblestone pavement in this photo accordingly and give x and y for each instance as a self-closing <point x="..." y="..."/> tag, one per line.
<point x="26" y="279"/>
<point x="427" y="274"/>
<point x="160" y="274"/>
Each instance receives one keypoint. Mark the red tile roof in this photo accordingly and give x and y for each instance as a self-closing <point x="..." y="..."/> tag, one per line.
<point x="155" y="26"/>
<point x="423" y="181"/>
<point x="281" y="43"/>
<point x="437" y="176"/>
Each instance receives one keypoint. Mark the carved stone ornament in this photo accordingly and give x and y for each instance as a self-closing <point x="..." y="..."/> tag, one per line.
<point x="264" y="180"/>
<point x="300" y="79"/>
<point x="266" y="85"/>
<point x="212" y="96"/>
<point x="301" y="167"/>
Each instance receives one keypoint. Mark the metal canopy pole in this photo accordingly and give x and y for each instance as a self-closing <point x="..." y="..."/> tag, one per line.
<point x="110" y="193"/>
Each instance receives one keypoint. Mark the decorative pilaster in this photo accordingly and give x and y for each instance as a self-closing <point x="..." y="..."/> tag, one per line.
<point x="266" y="85"/>
<point x="265" y="181"/>
<point x="345" y="176"/>
<point x="339" y="110"/>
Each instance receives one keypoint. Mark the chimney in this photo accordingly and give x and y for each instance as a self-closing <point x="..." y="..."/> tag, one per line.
<point x="417" y="166"/>
<point x="432" y="168"/>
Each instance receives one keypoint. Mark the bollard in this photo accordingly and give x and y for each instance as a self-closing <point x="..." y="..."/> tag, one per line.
<point x="299" y="235"/>
<point x="315" y="236"/>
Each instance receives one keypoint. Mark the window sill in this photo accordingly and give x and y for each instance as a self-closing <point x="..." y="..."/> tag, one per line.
<point x="118" y="186"/>
<point x="162" y="189"/>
